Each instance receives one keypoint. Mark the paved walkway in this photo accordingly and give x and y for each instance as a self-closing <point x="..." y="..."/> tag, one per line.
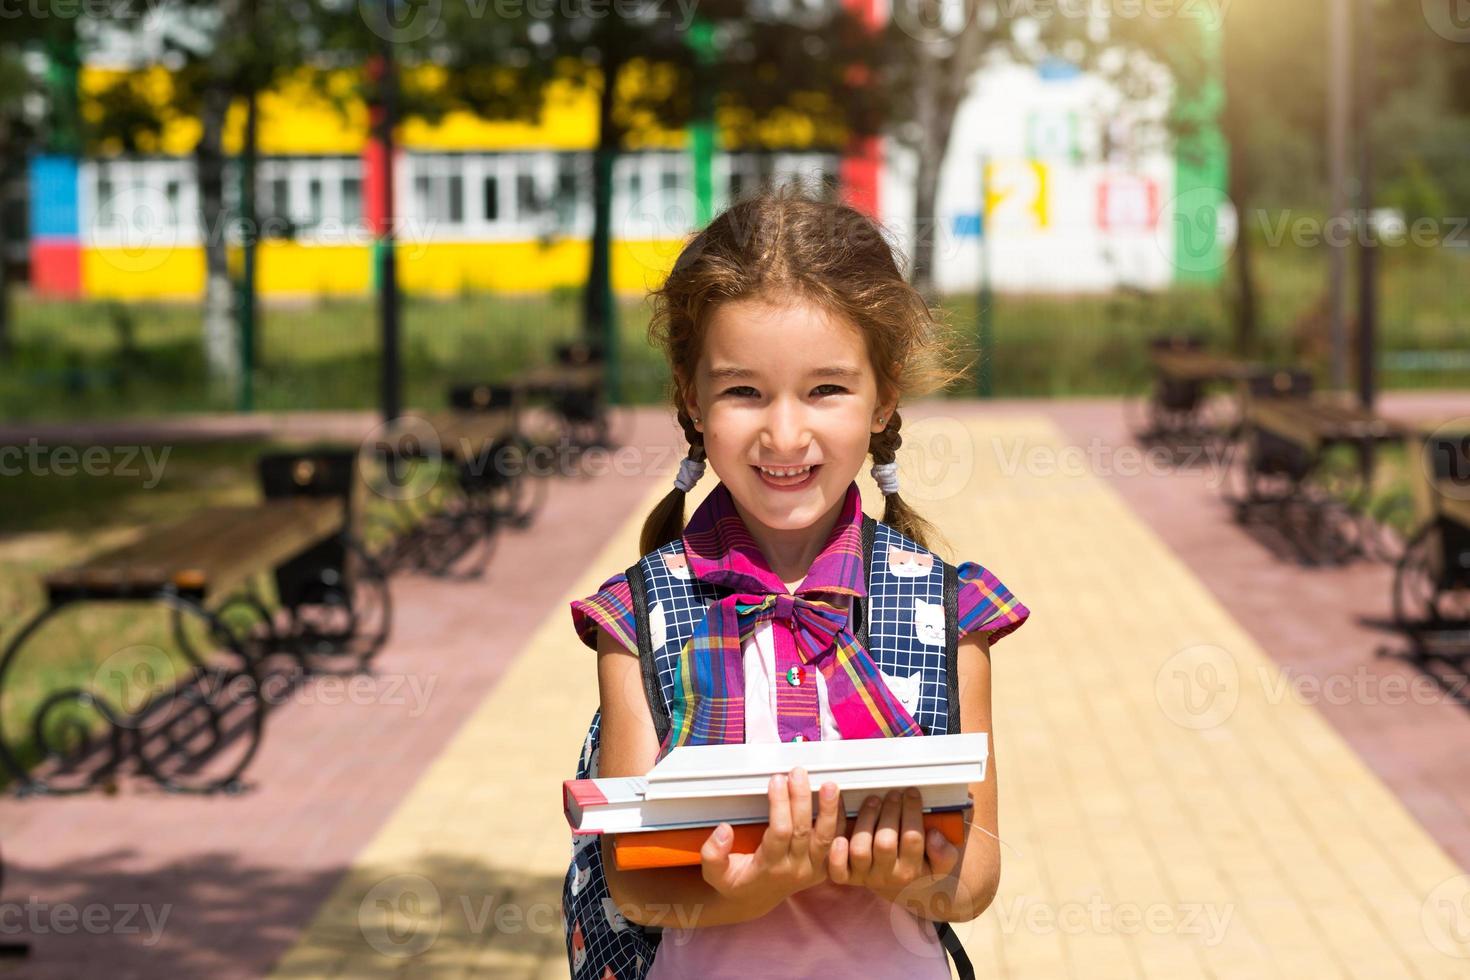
<point x="1173" y="817"/>
<point x="1177" y="811"/>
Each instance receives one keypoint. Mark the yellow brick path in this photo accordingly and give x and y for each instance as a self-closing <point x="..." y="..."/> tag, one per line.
<point x="1176" y="816"/>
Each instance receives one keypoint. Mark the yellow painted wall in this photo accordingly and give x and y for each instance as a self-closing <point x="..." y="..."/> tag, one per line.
<point x="297" y="118"/>
<point x="442" y="268"/>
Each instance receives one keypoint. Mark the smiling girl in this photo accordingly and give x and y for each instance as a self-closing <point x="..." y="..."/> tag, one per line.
<point x="792" y="337"/>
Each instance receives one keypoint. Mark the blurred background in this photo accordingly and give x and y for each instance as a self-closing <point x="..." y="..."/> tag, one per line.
<point x="309" y="307"/>
<point x="1095" y="174"/>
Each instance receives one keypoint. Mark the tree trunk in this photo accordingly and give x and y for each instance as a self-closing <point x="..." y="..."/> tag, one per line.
<point x="4" y="304"/>
<point x="597" y="294"/>
<point x="936" y="102"/>
<point x="5" y="347"/>
<point x="1244" y="307"/>
<point x="221" y="351"/>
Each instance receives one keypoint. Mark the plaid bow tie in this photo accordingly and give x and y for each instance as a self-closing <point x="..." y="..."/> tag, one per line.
<point x="708" y="705"/>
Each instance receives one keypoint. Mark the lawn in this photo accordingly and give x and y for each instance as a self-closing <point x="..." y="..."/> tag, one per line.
<point x="85" y="359"/>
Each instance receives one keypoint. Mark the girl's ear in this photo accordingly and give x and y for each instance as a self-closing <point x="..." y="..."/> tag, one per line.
<point x="690" y="404"/>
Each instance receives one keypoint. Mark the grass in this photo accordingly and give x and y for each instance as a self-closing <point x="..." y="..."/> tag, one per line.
<point x="90" y="359"/>
<point x="122" y="651"/>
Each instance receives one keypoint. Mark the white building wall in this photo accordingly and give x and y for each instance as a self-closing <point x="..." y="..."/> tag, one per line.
<point x="1068" y="210"/>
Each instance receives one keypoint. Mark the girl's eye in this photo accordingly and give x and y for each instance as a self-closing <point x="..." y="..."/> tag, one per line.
<point x="741" y="391"/>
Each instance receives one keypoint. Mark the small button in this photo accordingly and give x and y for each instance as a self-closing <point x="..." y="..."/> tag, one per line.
<point x="795" y="675"/>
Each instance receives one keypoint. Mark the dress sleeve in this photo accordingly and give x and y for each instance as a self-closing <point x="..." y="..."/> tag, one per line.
<point x="610" y="608"/>
<point x="986" y="604"/>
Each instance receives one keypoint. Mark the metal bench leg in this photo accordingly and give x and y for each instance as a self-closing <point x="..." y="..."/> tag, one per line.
<point x="58" y="733"/>
<point x="182" y="733"/>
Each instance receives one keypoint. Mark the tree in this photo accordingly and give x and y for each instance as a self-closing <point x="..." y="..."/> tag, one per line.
<point x="19" y="131"/>
<point x="934" y="48"/>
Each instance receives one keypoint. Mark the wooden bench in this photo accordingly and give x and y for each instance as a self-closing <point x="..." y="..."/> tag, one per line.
<point x="450" y="532"/>
<point x="1431" y="588"/>
<point x="1177" y="411"/>
<point x="199" y="731"/>
<point x="574" y="386"/>
<point x="1288" y="475"/>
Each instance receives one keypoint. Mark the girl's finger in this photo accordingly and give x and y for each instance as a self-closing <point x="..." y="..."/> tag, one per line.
<point x="714" y="857"/>
<point x="800" y="797"/>
<point x="943" y="855"/>
<point x="838" y="868"/>
<point x="829" y="802"/>
<point x="860" y="841"/>
<point x="885" y="837"/>
<point x="911" y="830"/>
<point x="777" y="839"/>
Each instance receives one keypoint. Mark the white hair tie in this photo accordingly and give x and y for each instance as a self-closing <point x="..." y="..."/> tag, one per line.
<point x="887" y="476"/>
<point x="690" y="470"/>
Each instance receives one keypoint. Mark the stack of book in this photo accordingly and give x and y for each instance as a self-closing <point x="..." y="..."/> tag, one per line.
<point x="663" y="819"/>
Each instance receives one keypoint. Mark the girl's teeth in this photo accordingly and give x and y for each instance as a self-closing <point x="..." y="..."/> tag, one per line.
<point x="768" y="470"/>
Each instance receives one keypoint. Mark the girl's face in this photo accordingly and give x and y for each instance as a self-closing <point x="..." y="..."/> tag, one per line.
<point x="785" y="385"/>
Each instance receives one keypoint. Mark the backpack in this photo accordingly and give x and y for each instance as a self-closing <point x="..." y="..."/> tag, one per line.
<point x="911" y="614"/>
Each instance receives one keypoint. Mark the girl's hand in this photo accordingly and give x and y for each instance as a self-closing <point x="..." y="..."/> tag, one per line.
<point x="793" y="852"/>
<point x="888" y="850"/>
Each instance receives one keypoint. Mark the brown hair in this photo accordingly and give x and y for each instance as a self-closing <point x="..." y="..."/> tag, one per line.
<point x="785" y="243"/>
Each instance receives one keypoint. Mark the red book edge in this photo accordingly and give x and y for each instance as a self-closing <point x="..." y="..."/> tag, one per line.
<point x="678" y="848"/>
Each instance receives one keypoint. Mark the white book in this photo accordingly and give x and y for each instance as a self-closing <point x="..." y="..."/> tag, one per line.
<point x="702" y="785"/>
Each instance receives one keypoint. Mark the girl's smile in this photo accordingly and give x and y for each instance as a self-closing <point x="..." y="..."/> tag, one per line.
<point x="787" y="402"/>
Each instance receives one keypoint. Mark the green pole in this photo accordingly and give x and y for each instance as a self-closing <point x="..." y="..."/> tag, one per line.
<point x="702" y="128"/>
<point x="987" y="328"/>
<point x="249" y="235"/>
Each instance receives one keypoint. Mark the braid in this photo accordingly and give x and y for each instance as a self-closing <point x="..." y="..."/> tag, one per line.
<point x="897" y="513"/>
<point x="666" y="522"/>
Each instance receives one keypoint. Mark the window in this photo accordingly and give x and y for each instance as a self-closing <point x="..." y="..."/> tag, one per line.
<point x="313" y="202"/>
<point x="351" y="200"/>
<point x="492" y="198"/>
<point x="280" y="197"/>
<point x="456" y="199"/>
<point x="105" y="204"/>
<point x="526" y="205"/>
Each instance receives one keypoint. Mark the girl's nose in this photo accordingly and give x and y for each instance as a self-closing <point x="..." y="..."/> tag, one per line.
<point x="786" y="430"/>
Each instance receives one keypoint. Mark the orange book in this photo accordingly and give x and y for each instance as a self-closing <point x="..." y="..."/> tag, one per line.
<point x="676" y="848"/>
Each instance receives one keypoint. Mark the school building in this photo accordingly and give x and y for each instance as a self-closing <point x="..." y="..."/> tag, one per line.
<point x="1050" y="183"/>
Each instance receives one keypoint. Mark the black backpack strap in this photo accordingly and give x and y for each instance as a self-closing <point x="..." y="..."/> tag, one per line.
<point x="947" y="936"/>
<point x="952" y="643"/>
<point x="956" y="950"/>
<point x="651" y="685"/>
